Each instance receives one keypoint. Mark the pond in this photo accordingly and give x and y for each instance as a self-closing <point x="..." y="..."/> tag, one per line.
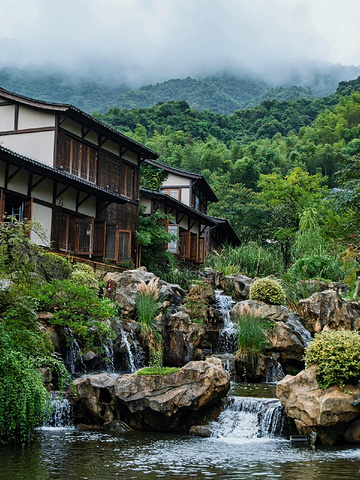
<point x="236" y="451"/>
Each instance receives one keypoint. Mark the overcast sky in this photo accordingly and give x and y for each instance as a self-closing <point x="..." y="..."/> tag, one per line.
<point x="154" y="40"/>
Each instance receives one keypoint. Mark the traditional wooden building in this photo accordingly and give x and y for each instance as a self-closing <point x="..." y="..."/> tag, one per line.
<point x="186" y="197"/>
<point x="77" y="176"/>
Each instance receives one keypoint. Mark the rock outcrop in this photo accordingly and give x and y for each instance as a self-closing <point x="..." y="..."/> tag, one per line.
<point x="125" y="288"/>
<point x="155" y="402"/>
<point x="328" y="412"/>
<point x="182" y="337"/>
<point x="277" y="313"/>
<point x="288" y="343"/>
<point x="237" y="286"/>
<point x="328" y="309"/>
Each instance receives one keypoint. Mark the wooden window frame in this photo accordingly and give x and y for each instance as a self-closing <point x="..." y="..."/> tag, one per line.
<point x="80" y="159"/>
<point x="117" y="231"/>
<point x="69" y="218"/>
<point x="168" y="191"/>
<point x="176" y="242"/>
<point x="127" y="180"/>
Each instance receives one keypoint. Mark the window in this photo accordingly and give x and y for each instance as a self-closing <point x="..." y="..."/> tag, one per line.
<point x="80" y="160"/>
<point x="194" y="247"/>
<point x="76" y="234"/>
<point x="173" y="245"/>
<point x="172" y="192"/>
<point x="185" y="244"/>
<point x="127" y="176"/>
<point x="201" y="258"/>
<point x="118" y="244"/>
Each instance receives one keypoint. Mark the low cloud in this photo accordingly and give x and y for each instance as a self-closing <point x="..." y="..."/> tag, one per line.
<point x="144" y="41"/>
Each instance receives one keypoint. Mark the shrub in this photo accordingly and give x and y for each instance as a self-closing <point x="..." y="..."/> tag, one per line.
<point x="53" y="266"/>
<point x="267" y="290"/>
<point x="23" y="398"/>
<point x="251" y="334"/>
<point x="80" y="309"/>
<point x="83" y="274"/>
<point x="336" y="355"/>
<point x="317" y="266"/>
<point x="197" y="300"/>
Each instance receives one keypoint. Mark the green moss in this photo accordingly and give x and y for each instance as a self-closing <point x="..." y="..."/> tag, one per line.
<point x="157" y="371"/>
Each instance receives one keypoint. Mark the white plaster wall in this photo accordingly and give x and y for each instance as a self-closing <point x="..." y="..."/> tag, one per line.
<point x="44" y="191"/>
<point x="72" y="127"/>
<point x="68" y="198"/>
<point x="184" y="223"/>
<point x="175" y="180"/>
<point x="147" y="203"/>
<point x="131" y="157"/>
<point x="38" y="145"/>
<point x="2" y="174"/>
<point x="44" y="216"/>
<point x="7" y="117"/>
<point x="89" y="207"/>
<point x="111" y="147"/>
<point x="185" y="196"/>
<point x="30" y="117"/>
<point x="19" y="183"/>
<point x="92" y="137"/>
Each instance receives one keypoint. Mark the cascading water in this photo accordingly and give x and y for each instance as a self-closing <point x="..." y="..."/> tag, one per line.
<point x="227" y="342"/>
<point x="274" y="373"/>
<point x="299" y="329"/>
<point x="247" y="418"/>
<point x="133" y="349"/>
<point x="73" y="358"/>
<point x="61" y="411"/>
<point x="109" y="355"/>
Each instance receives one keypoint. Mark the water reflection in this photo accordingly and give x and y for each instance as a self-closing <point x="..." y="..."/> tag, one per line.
<point x="72" y="454"/>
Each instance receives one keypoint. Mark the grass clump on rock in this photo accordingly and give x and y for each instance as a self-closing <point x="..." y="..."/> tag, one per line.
<point x="157" y="370"/>
<point x="252" y="334"/>
<point x="336" y="355"/>
<point x="268" y="290"/>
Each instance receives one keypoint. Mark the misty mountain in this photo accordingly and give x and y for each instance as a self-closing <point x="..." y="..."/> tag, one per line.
<point x="222" y="93"/>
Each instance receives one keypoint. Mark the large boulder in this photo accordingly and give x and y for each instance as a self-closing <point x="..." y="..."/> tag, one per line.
<point x="277" y="313"/>
<point x="155" y="402"/>
<point x="286" y="341"/>
<point x="327" y="412"/>
<point x="328" y="309"/>
<point x="125" y="289"/>
<point x="182" y="337"/>
<point x="237" y="286"/>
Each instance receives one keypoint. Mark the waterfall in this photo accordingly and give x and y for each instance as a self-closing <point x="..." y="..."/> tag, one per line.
<point x="138" y="355"/>
<point x="109" y="355"/>
<point x="133" y="349"/>
<point x="274" y="373"/>
<point x="295" y="322"/>
<point x="61" y="411"/>
<point x="227" y="342"/>
<point x="249" y="418"/>
<point x="73" y="358"/>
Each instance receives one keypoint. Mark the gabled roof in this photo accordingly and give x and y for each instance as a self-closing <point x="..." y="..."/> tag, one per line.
<point x="78" y="115"/>
<point x="195" y="176"/>
<point x="225" y="230"/>
<point x="44" y="170"/>
<point x="178" y="206"/>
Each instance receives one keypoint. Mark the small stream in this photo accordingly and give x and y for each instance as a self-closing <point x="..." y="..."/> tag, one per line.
<point x="240" y="448"/>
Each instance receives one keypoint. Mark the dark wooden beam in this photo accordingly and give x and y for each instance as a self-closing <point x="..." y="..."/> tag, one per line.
<point x="83" y="200"/>
<point x="34" y="185"/>
<point x="57" y="195"/>
<point x="28" y="130"/>
<point x="16" y="117"/>
<point x="10" y="177"/>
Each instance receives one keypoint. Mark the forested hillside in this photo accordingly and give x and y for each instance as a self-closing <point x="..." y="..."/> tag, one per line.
<point x="221" y="93"/>
<point x="269" y="165"/>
